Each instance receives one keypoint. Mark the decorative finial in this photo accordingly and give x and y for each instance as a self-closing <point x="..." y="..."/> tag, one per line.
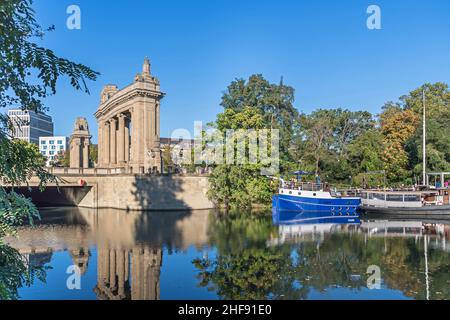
<point x="146" y="66"/>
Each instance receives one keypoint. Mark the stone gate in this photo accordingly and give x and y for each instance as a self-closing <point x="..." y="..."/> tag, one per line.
<point x="129" y="125"/>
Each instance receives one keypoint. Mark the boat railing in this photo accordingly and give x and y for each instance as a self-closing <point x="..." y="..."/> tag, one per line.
<point x="305" y="186"/>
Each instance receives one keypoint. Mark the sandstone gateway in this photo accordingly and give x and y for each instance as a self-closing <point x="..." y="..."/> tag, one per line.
<point x="128" y="125"/>
<point x="129" y="151"/>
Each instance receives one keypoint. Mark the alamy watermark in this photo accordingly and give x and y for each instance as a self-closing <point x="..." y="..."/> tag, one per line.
<point x="374" y="20"/>
<point x="73" y="22"/>
<point x="74" y="280"/>
<point x="374" y="279"/>
<point x="233" y="147"/>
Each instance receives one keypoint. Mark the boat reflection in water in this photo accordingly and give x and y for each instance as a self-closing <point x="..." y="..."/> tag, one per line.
<point x="298" y="224"/>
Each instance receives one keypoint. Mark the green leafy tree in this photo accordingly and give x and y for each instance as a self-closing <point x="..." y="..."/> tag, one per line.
<point x="275" y="101"/>
<point x="364" y="153"/>
<point x="437" y="98"/>
<point x="93" y="155"/>
<point x="28" y="74"/>
<point x="239" y="185"/>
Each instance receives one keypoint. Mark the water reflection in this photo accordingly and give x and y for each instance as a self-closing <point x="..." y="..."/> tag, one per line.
<point x="201" y="254"/>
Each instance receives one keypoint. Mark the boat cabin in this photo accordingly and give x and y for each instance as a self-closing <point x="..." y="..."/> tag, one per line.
<point x="405" y="199"/>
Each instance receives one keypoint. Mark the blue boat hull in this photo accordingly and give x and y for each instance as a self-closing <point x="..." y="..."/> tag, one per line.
<point x="334" y="206"/>
<point x="308" y="217"/>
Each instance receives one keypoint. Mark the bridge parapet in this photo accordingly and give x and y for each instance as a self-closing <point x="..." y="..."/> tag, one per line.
<point x="89" y="171"/>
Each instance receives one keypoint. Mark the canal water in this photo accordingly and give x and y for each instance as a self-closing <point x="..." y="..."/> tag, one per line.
<point x="76" y="253"/>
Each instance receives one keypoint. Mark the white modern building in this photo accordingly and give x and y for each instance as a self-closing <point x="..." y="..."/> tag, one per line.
<point x="50" y="147"/>
<point x="29" y="125"/>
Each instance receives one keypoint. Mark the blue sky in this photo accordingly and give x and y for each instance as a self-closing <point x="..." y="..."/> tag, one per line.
<point x="321" y="48"/>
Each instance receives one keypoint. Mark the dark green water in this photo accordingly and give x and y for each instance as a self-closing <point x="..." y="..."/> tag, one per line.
<point x="199" y="255"/>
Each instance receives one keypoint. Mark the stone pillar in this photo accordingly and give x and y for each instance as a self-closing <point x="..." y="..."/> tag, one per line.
<point x="100" y="145"/>
<point x="121" y="273"/>
<point x="79" y="144"/>
<point x="85" y="147"/>
<point x="121" y="140"/>
<point x="158" y="130"/>
<point x="137" y="139"/>
<point x="112" y="270"/>
<point x="75" y="152"/>
<point x="148" y="136"/>
<point x="112" y="142"/>
<point x="127" y="143"/>
<point x="105" y="146"/>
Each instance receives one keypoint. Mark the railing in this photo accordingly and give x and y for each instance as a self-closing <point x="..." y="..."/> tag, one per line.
<point x="117" y="171"/>
<point x="305" y="186"/>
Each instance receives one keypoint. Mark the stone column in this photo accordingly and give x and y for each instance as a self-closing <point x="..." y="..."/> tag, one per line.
<point x="75" y="153"/>
<point x="127" y="143"/>
<point x="158" y="130"/>
<point x="121" y="273"/>
<point x="152" y="127"/>
<point x="133" y="152"/>
<point x="121" y="140"/>
<point x="112" y="142"/>
<point x="100" y="144"/>
<point x="105" y="145"/>
<point x="137" y="138"/>
<point x="148" y="135"/>
<point x="112" y="270"/>
<point x="85" y="147"/>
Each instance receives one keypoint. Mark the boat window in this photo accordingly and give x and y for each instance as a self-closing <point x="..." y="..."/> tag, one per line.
<point x="412" y="197"/>
<point x="370" y="196"/>
<point x="379" y="196"/>
<point x="364" y="195"/>
<point x="314" y="194"/>
<point x="394" y="197"/>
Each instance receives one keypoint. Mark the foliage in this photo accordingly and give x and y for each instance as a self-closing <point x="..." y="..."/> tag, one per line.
<point x="437" y="99"/>
<point x="93" y="155"/>
<point x="326" y="138"/>
<point x="274" y="101"/>
<point x="16" y="272"/>
<point x="28" y="74"/>
<point x="240" y="185"/>
<point x="244" y="268"/>
<point x="397" y="127"/>
<point x="244" y="261"/>
<point x="22" y="60"/>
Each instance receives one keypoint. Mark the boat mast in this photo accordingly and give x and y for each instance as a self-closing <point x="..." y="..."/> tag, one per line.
<point x="424" y="147"/>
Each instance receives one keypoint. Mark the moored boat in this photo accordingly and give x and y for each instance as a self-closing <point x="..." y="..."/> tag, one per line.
<point x="313" y="197"/>
<point x="425" y="202"/>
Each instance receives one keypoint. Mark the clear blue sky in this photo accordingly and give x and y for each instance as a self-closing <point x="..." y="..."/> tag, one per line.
<point x="321" y="48"/>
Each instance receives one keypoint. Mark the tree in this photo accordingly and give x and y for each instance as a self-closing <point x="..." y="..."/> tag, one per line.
<point x="397" y="127"/>
<point x="275" y="101"/>
<point x="437" y="99"/>
<point x="317" y="134"/>
<point x="28" y="73"/>
<point x="239" y="185"/>
<point x="93" y="155"/>
<point x="364" y="153"/>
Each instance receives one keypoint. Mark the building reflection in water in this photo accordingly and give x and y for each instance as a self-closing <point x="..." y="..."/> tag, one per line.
<point x="129" y="274"/>
<point x="129" y="245"/>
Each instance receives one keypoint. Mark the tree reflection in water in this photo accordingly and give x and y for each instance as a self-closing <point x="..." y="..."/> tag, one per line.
<point x="16" y="271"/>
<point x="320" y="258"/>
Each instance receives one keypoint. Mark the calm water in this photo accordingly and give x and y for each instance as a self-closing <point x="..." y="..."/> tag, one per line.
<point x="199" y="255"/>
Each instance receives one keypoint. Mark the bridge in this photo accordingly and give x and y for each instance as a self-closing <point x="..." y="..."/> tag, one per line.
<point x="117" y="188"/>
